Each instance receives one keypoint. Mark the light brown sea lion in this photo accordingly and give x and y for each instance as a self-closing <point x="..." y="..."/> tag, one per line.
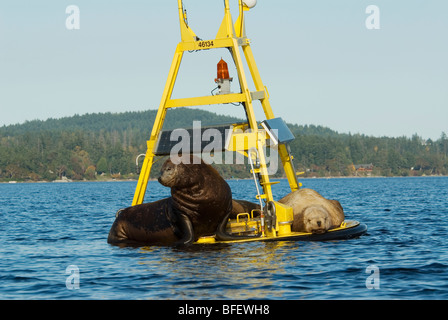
<point x="200" y="203"/>
<point x="319" y="210"/>
<point x="316" y="219"/>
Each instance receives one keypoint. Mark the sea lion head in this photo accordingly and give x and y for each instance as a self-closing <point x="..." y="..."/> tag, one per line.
<point x="168" y="174"/>
<point x="316" y="219"/>
<point x="182" y="173"/>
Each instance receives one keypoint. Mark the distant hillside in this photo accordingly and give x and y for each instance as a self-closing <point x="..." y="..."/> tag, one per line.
<point x="105" y="145"/>
<point x="96" y="122"/>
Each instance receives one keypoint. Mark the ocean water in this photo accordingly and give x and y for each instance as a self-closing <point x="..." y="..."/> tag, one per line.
<point x="53" y="246"/>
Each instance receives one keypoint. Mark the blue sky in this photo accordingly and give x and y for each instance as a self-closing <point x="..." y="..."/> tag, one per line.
<point x="318" y="60"/>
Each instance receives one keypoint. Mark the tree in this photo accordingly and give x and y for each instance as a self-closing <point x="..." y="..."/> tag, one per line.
<point x="90" y="173"/>
<point x="101" y="165"/>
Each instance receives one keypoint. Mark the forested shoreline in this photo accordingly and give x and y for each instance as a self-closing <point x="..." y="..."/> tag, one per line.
<point x="105" y="145"/>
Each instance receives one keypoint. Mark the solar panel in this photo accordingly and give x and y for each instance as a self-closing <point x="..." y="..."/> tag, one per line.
<point x="192" y="140"/>
<point x="278" y="130"/>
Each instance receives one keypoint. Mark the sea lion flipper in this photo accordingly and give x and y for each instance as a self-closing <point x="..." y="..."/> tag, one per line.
<point x="186" y="228"/>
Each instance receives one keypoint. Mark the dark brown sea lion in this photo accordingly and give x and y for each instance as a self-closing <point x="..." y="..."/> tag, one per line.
<point x="242" y="206"/>
<point x="312" y="212"/>
<point x="148" y="223"/>
<point x="200" y="204"/>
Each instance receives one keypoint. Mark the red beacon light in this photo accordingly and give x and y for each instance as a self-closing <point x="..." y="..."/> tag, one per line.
<point x="223" y="79"/>
<point x="223" y="70"/>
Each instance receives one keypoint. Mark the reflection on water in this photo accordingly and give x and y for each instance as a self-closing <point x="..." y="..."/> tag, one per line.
<point x="240" y="271"/>
<point x="208" y="267"/>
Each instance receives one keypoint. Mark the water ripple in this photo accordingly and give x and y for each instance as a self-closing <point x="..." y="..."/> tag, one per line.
<point x="48" y="227"/>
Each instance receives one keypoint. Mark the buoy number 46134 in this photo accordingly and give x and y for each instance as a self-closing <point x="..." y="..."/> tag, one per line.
<point x="205" y="44"/>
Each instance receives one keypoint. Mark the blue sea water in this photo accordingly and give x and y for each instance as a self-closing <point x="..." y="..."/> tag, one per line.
<point x="53" y="236"/>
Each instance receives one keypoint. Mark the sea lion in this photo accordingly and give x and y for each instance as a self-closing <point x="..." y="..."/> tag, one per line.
<point x="148" y="223"/>
<point x="200" y="204"/>
<point x="242" y="206"/>
<point x="316" y="219"/>
<point x="317" y="205"/>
